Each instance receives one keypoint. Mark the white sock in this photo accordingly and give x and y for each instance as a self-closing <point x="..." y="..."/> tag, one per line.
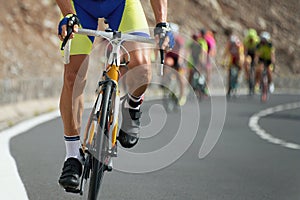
<point x="73" y="145"/>
<point x="134" y="102"/>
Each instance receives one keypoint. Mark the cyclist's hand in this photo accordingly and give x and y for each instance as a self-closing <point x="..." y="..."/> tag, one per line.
<point x="66" y="28"/>
<point x="68" y="24"/>
<point x="164" y="36"/>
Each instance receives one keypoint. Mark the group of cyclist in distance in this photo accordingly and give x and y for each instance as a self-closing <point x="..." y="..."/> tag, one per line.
<point x="128" y="16"/>
<point x="255" y="51"/>
<point x="198" y="54"/>
<point x="190" y="56"/>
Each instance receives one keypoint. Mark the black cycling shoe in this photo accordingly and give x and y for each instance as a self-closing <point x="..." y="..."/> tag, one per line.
<point x="71" y="172"/>
<point x="127" y="141"/>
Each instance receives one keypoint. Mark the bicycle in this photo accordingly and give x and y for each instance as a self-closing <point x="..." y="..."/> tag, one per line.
<point x="100" y="135"/>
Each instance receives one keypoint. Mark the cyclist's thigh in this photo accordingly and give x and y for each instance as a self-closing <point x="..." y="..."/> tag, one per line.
<point x="259" y="67"/>
<point x="130" y="18"/>
<point x="133" y="18"/>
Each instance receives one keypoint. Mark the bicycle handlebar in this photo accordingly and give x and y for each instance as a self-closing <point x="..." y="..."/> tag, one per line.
<point x="111" y="35"/>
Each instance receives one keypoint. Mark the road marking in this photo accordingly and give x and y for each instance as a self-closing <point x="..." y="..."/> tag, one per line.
<point x="11" y="185"/>
<point x="253" y="124"/>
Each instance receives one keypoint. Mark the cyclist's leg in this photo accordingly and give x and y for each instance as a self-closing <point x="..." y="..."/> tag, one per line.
<point x="258" y="72"/>
<point x="181" y="78"/>
<point x="71" y="102"/>
<point x="247" y="64"/>
<point x="172" y="60"/>
<point x="168" y="69"/>
<point x="129" y="17"/>
<point x="269" y="71"/>
<point x="208" y="66"/>
<point x="138" y="76"/>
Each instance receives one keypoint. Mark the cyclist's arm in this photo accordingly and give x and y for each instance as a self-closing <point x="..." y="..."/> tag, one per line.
<point x="273" y="59"/>
<point x="65" y="7"/>
<point x="160" y="8"/>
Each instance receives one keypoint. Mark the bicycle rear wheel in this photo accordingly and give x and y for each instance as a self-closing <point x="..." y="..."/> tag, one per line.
<point x="264" y="87"/>
<point x="251" y="79"/>
<point x="98" y="158"/>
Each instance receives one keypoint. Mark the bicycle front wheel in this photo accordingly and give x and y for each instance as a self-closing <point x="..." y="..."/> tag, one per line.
<point x="264" y="87"/>
<point x="101" y="144"/>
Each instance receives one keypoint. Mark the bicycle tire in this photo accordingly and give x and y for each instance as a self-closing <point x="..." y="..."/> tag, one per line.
<point x="264" y="86"/>
<point x="251" y="79"/>
<point x="233" y="79"/>
<point x="98" y="168"/>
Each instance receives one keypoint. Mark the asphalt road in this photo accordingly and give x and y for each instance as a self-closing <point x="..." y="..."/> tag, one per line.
<point x="241" y="166"/>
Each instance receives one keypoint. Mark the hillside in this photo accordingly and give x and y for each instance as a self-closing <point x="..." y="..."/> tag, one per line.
<point x="30" y="45"/>
<point x="280" y="18"/>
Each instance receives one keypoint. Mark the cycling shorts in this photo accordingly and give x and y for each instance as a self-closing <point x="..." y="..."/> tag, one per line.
<point x="251" y="54"/>
<point x="121" y="15"/>
<point x="266" y="63"/>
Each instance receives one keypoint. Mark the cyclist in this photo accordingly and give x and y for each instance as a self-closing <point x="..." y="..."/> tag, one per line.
<point x="122" y="15"/>
<point x="174" y="59"/>
<point x="197" y="50"/>
<point x="234" y="52"/>
<point x="265" y="56"/>
<point x="197" y="55"/>
<point x="250" y="43"/>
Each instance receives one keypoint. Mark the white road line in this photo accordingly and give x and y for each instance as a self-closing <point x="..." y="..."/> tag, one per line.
<point x="11" y="185"/>
<point x="253" y="124"/>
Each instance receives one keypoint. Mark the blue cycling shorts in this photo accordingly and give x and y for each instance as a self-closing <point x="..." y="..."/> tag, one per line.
<point x="122" y="15"/>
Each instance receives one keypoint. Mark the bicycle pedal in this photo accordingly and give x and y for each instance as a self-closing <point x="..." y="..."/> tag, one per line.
<point x="109" y="166"/>
<point x="73" y="190"/>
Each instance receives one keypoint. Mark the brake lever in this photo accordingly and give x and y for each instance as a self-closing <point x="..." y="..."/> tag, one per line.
<point x="162" y="61"/>
<point x="69" y="33"/>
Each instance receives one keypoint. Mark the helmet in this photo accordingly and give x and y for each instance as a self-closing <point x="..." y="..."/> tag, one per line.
<point x="203" y="31"/>
<point x="252" y="33"/>
<point x="265" y="36"/>
<point x="234" y="39"/>
<point x="195" y="37"/>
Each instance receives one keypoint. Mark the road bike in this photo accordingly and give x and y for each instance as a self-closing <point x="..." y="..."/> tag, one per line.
<point x="100" y="136"/>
